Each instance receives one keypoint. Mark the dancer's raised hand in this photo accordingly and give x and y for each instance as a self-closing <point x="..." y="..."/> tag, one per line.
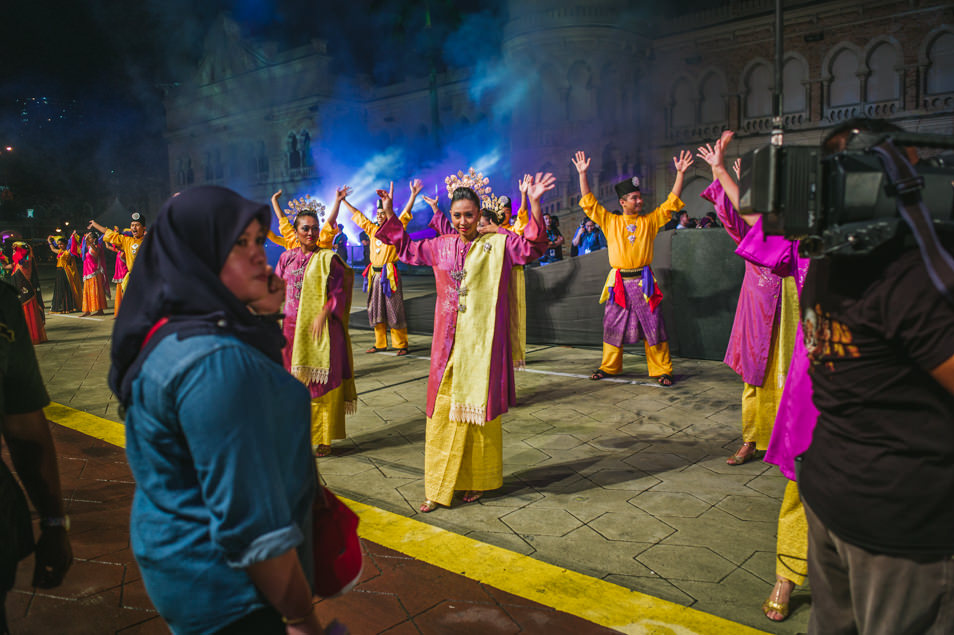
<point x="580" y="162"/>
<point x="524" y="184"/>
<point x="683" y="161"/>
<point x="541" y="183"/>
<point x="432" y="202"/>
<point x="342" y="193"/>
<point x="416" y="186"/>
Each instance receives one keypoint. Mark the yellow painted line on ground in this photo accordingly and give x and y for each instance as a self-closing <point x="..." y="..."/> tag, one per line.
<point x="103" y="429"/>
<point x="589" y="598"/>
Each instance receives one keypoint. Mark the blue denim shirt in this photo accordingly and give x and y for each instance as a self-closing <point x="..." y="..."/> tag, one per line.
<point x="217" y="436"/>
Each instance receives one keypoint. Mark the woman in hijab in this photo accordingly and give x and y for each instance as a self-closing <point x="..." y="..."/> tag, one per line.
<point x="216" y="430"/>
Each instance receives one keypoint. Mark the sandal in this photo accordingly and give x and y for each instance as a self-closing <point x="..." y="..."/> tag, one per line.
<point x="428" y="506"/>
<point x="401" y="352"/>
<point x="375" y="349"/>
<point x="771" y="606"/>
<point x="741" y="457"/>
<point x="472" y="496"/>
<point x="599" y="373"/>
<point x="322" y="450"/>
<point x="664" y="380"/>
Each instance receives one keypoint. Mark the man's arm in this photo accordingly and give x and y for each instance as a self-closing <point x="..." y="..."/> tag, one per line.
<point x="682" y="163"/>
<point x="582" y="164"/>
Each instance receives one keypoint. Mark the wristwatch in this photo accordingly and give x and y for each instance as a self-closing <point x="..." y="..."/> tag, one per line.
<point x="55" y="521"/>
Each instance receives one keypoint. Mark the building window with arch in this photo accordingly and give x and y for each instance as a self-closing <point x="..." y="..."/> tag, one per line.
<point x="758" y="91"/>
<point x="794" y="93"/>
<point x="844" y="86"/>
<point x="939" y="78"/>
<point x="292" y="153"/>
<point x="883" y="83"/>
<point x="683" y="106"/>
<point x="712" y="100"/>
<point x="261" y="162"/>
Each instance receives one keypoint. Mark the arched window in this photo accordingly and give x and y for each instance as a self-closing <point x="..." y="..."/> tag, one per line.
<point x="712" y="107"/>
<point x="291" y="150"/>
<point x="609" y="94"/>
<point x="940" y="73"/>
<point x="683" y="105"/>
<point x="580" y="100"/>
<point x="551" y="97"/>
<point x="758" y="91"/>
<point x="305" y="144"/>
<point x="883" y="82"/>
<point x="845" y="86"/>
<point x="793" y="86"/>
<point x="261" y="160"/>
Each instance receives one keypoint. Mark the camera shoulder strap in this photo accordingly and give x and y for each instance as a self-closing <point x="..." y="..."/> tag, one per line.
<point x="906" y="185"/>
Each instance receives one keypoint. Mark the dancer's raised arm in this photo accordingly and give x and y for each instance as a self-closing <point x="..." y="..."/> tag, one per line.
<point x="582" y="163"/>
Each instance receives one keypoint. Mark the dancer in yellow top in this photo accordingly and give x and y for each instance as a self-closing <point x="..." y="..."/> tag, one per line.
<point x="630" y="294"/>
<point x="385" y="293"/>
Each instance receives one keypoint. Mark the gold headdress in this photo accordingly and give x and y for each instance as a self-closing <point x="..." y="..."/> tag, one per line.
<point x="473" y="180"/>
<point x="306" y="204"/>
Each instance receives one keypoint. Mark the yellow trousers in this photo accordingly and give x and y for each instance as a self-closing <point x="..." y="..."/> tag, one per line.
<point x="398" y="336"/>
<point x="760" y="403"/>
<point x="459" y="456"/>
<point x="657" y="359"/>
<point x="791" y="551"/>
<point x="328" y="417"/>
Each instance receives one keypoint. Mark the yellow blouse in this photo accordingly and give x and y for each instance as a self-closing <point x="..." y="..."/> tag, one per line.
<point x="128" y="244"/>
<point x="630" y="238"/>
<point x="381" y="254"/>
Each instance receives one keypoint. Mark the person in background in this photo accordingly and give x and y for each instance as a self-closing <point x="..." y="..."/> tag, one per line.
<point x="554" y="252"/>
<point x="26" y="433"/>
<point x="588" y="238"/>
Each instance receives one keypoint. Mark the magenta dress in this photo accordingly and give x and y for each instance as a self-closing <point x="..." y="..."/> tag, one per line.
<point x="291" y="268"/>
<point x="796" y="417"/>
<point x="445" y="254"/>
<point x="759" y="300"/>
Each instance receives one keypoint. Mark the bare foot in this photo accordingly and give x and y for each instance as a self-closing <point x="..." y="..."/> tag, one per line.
<point x="428" y="506"/>
<point x="776" y="606"/>
<point x="322" y="450"/>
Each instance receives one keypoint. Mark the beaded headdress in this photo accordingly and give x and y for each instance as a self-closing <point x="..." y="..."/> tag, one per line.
<point x="307" y="204"/>
<point x="473" y="180"/>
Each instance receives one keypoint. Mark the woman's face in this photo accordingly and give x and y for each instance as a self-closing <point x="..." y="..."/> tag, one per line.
<point x="245" y="272"/>
<point x="465" y="215"/>
<point x="307" y="229"/>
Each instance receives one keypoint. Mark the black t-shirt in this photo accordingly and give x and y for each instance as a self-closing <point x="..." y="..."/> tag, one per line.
<point x="880" y="469"/>
<point x="22" y="385"/>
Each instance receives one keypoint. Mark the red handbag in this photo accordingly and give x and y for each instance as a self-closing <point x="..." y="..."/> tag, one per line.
<point x="337" y="550"/>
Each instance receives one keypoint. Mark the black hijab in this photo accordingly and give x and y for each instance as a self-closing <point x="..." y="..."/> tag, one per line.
<point x="176" y="276"/>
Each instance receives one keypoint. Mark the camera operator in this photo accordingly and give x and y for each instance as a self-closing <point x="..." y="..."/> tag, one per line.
<point x="878" y="478"/>
<point x="588" y="238"/>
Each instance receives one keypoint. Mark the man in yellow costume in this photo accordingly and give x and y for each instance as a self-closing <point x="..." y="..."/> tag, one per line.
<point x="630" y="294"/>
<point x="128" y="244"/>
<point x="385" y="296"/>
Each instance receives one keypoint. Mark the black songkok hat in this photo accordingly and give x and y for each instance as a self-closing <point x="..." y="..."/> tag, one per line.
<point x="627" y="187"/>
<point x="137" y="217"/>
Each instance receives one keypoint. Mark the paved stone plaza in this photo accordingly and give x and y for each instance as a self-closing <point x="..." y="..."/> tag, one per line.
<point x="620" y="479"/>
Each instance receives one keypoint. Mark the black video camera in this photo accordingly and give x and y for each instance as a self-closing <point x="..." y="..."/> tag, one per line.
<point x="844" y="203"/>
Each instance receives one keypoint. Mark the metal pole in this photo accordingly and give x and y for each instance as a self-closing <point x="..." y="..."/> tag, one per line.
<point x="777" y="91"/>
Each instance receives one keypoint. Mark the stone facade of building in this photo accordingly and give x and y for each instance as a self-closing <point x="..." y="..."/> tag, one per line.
<point x="593" y="76"/>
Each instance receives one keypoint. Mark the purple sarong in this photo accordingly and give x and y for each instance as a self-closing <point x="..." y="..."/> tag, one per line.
<point x="634" y="323"/>
<point x="388" y="309"/>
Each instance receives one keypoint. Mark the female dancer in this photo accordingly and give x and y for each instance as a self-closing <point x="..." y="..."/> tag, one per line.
<point x="317" y="305"/>
<point x="27" y="282"/>
<point x="66" y="288"/>
<point x="471" y="379"/>
<point x="94" y="288"/>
